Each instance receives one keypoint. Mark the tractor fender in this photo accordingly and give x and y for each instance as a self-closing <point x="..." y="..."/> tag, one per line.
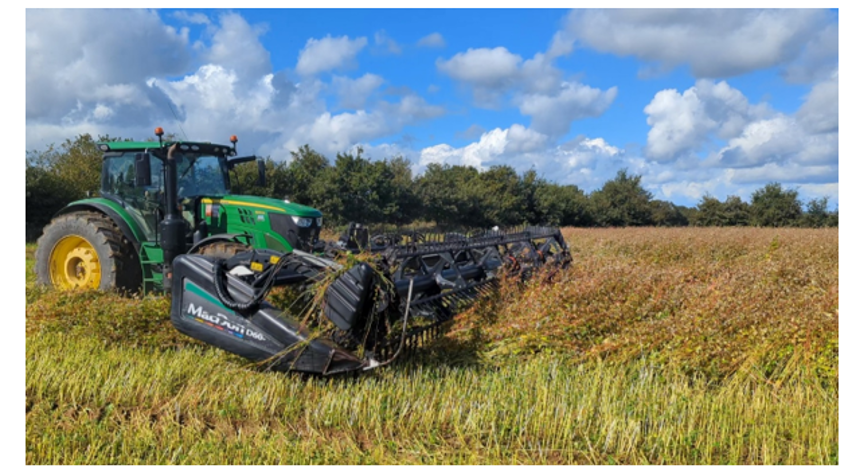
<point x="232" y="237"/>
<point x="129" y="230"/>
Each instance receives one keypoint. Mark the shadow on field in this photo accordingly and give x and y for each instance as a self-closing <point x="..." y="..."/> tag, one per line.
<point x="441" y="353"/>
<point x="444" y="351"/>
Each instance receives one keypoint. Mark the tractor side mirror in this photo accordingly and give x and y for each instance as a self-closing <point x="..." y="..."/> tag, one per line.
<point x="261" y="173"/>
<point x="143" y="170"/>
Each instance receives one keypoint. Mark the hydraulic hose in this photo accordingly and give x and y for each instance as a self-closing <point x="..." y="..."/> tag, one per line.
<point x="258" y="297"/>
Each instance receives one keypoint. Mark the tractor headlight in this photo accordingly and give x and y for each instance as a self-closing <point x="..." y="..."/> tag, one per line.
<point x="303" y="222"/>
<point x="319" y="221"/>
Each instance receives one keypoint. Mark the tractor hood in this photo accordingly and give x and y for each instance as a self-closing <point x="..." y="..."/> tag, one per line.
<point x="271" y="205"/>
<point x="273" y="224"/>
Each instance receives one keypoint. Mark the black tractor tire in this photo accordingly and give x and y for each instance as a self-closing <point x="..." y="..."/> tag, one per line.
<point x="222" y="249"/>
<point x="118" y="262"/>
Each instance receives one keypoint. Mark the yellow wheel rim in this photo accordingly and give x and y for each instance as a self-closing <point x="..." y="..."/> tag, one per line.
<point x="74" y="264"/>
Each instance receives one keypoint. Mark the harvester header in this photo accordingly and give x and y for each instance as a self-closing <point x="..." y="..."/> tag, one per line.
<point x="400" y="291"/>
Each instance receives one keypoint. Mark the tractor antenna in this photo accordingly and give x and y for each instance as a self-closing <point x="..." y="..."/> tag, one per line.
<point x="178" y="122"/>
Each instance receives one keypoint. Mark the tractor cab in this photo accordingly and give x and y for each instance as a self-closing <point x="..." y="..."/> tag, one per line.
<point x="134" y="176"/>
<point x="193" y="187"/>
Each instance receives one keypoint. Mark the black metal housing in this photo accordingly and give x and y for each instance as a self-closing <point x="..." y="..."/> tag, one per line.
<point x="348" y="296"/>
<point x="264" y="334"/>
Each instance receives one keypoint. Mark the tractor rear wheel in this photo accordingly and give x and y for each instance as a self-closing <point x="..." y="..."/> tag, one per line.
<point x="86" y="250"/>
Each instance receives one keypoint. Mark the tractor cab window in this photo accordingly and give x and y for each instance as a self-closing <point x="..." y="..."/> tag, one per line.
<point x="119" y="182"/>
<point x="200" y="175"/>
<point x="119" y="176"/>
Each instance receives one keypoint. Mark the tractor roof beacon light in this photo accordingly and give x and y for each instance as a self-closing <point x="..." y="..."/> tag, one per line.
<point x="159" y="133"/>
<point x="234" y="142"/>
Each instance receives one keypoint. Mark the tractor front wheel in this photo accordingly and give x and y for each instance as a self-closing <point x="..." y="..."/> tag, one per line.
<point x="86" y="250"/>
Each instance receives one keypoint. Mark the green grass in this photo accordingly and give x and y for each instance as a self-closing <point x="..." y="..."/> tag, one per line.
<point x="573" y="373"/>
<point x="88" y="403"/>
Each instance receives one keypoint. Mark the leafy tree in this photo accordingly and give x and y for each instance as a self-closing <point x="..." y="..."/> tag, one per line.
<point x="732" y="212"/>
<point x="530" y="184"/>
<point x="355" y="195"/>
<point x="735" y="211"/>
<point x="448" y="196"/>
<point x="623" y="201"/>
<point x="403" y="204"/>
<point x="308" y="173"/>
<point x="665" y="213"/>
<point x="833" y="219"/>
<point x="77" y="163"/>
<point x="498" y="192"/>
<point x="244" y="179"/>
<point x="46" y="194"/>
<point x="80" y="163"/>
<point x="711" y="212"/>
<point x="690" y="213"/>
<point x="817" y="215"/>
<point x="772" y="206"/>
<point x="563" y="205"/>
<point x="59" y="175"/>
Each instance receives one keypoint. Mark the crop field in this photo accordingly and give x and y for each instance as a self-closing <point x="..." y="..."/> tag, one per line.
<point x="659" y="346"/>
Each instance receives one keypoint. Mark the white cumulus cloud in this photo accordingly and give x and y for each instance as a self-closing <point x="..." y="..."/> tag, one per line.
<point x="79" y="58"/>
<point x="328" y="54"/>
<point x="744" y="145"/>
<point x="386" y="44"/>
<point x="818" y="58"/>
<point x="820" y="111"/>
<point x="353" y="93"/>
<point x="553" y="114"/>
<point x="331" y="133"/>
<point x="493" y="145"/>
<point x="432" y="40"/>
<point x="535" y="85"/>
<point x="683" y="123"/>
<point x="196" y="18"/>
<point x="117" y="83"/>
<point x="777" y="141"/>
<point x="714" y="43"/>
<point x="236" y="45"/>
<point x="490" y="67"/>
<point x="584" y="162"/>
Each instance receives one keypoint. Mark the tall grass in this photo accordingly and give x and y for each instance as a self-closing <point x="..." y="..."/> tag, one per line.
<point x="659" y="346"/>
<point x="710" y="300"/>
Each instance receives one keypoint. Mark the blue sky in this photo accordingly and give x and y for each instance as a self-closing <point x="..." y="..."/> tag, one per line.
<point x="696" y="101"/>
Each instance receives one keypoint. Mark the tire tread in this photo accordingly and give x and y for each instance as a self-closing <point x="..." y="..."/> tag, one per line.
<point x="119" y="269"/>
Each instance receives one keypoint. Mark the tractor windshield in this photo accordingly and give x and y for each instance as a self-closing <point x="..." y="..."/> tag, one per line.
<point x="200" y="175"/>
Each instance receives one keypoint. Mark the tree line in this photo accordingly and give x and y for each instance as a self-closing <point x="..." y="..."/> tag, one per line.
<point x="355" y="188"/>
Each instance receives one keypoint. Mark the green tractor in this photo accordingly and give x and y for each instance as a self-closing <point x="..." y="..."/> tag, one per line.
<point x="159" y="200"/>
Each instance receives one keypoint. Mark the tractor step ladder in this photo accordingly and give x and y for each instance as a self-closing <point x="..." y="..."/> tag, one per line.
<point x="149" y="282"/>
